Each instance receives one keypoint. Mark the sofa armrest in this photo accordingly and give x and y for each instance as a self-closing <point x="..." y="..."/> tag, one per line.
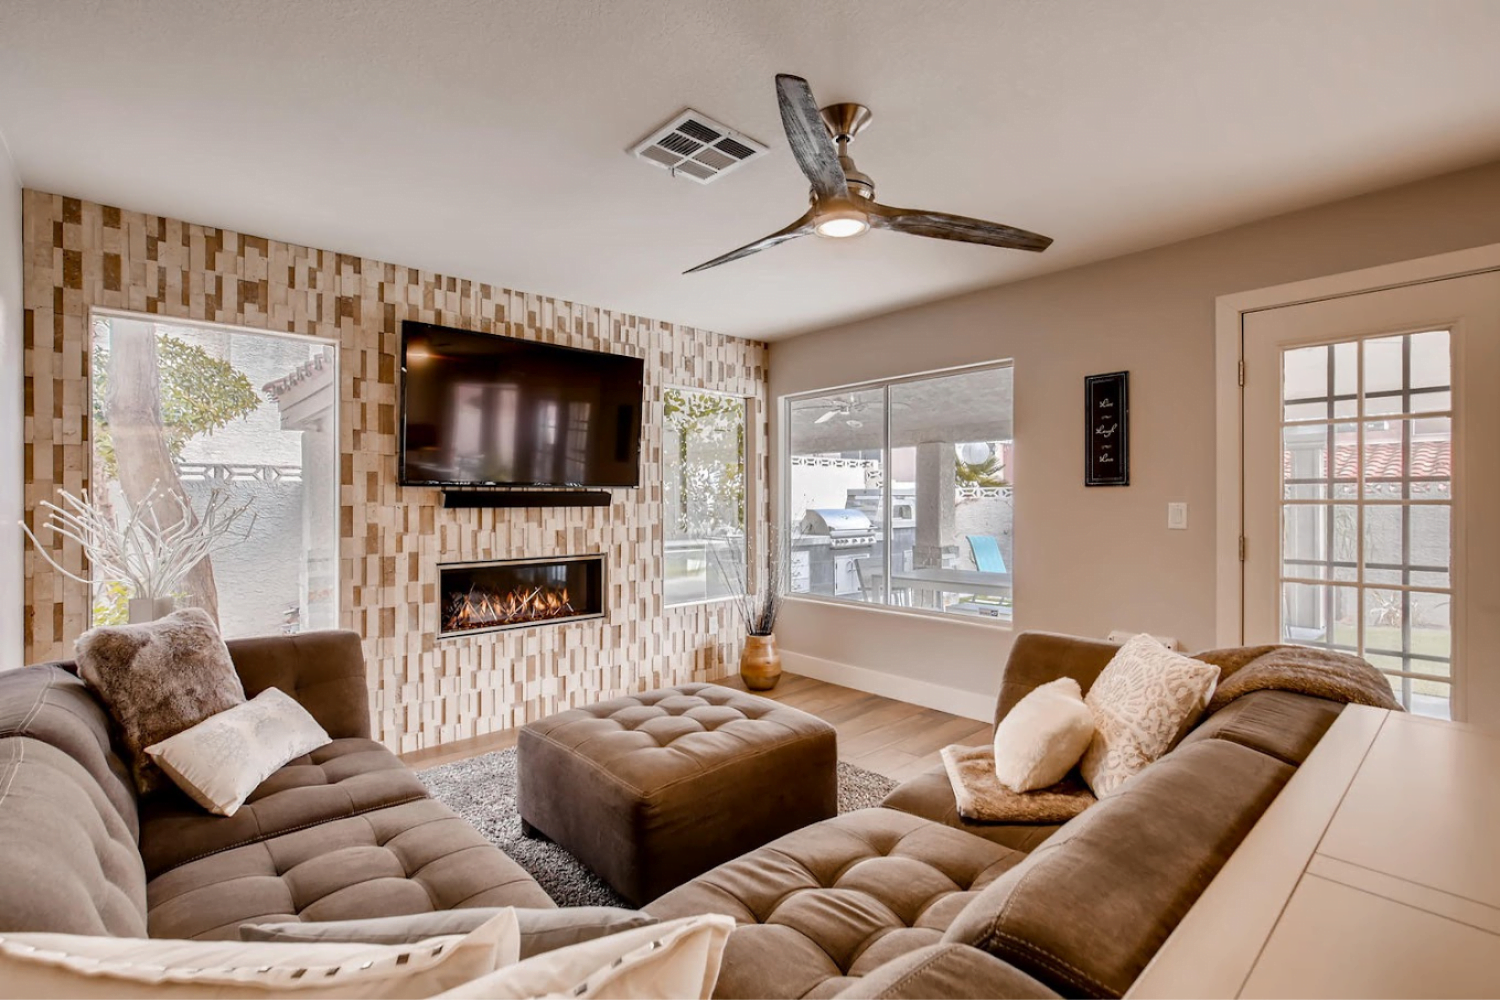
<point x="1038" y="658"/>
<point x="956" y="971"/>
<point x="324" y="671"/>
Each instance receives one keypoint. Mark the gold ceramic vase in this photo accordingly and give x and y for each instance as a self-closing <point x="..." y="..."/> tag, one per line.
<point x="760" y="662"/>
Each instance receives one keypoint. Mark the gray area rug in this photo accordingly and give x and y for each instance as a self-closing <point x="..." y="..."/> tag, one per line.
<point x="483" y="791"/>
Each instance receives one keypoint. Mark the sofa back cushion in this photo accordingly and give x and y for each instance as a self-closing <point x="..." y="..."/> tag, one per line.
<point x="1088" y="909"/>
<point x="1038" y="658"/>
<point x="50" y="704"/>
<point x="324" y="671"/>
<point x="1284" y="724"/>
<point x="70" y="863"/>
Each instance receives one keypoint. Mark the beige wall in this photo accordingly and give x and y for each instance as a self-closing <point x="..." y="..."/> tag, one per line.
<point x="1091" y="560"/>
<point x="11" y="419"/>
<point x="423" y="690"/>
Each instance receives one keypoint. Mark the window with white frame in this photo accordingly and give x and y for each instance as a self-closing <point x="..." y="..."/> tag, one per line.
<point x="220" y="415"/>
<point x="703" y="494"/>
<point x="900" y="493"/>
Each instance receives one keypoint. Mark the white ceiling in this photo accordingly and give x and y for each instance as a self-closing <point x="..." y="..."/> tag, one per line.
<point x="487" y="139"/>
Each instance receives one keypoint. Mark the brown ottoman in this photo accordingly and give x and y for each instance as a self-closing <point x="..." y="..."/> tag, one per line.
<point x="653" y="790"/>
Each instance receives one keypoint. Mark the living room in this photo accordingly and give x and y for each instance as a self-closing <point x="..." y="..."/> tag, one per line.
<point x="684" y="605"/>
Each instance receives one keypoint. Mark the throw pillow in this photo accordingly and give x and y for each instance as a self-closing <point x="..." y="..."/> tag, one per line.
<point x="158" y="679"/>
<point x="541" y="930"/>
<point x="1041" y="739"/>
<point x="981" y="798"/>
<point x="1143" y="702"/>
<point x="75" y="965"/>
<point x="678" y="958"/>
<point x="224" y="758"/>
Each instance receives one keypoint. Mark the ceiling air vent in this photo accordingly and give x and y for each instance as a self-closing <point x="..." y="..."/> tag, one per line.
<point x="693" y="145"/>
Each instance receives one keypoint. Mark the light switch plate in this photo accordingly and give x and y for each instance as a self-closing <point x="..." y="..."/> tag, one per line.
<point x="1177" y="516"/>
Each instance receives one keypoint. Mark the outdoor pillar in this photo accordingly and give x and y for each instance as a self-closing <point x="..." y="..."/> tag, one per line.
<point x="936" y="481"/>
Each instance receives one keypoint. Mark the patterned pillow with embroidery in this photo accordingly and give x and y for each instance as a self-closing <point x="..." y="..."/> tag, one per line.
<point x="1143" y="702"/>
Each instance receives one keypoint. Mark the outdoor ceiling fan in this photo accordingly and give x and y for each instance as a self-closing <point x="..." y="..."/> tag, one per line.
<point x="843" y="198"/>
<point x="849" y="407"/>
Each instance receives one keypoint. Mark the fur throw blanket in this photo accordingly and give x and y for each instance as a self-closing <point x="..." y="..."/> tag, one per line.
<point x="1322" y="673"/>
<point x="982" y="798"/>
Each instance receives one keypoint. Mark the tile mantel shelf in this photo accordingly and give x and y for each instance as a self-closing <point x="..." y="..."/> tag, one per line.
<point x="1373" y="874"/>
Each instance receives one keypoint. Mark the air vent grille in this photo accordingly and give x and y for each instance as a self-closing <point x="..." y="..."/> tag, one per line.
<point x="695" y="146"/>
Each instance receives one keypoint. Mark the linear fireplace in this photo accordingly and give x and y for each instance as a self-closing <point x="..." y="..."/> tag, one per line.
<point x="516" y="593"/>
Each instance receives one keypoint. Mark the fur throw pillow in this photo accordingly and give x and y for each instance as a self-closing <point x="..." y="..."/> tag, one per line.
<point x="157" y="680"/>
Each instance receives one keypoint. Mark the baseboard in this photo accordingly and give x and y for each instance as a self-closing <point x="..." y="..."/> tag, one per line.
<point x="954" y="701"/>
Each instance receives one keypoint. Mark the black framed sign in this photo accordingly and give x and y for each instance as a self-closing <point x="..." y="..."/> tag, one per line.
<point x="1106" y="414"/>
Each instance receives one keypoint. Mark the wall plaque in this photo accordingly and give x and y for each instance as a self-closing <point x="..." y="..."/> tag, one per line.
<point x="1106" y="414"/>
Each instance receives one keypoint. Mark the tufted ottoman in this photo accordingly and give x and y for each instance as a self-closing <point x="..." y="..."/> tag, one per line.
<point x="652" y="790"/>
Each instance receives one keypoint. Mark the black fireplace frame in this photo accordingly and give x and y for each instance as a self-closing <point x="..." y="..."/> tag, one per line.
<point x="598" y="559"/>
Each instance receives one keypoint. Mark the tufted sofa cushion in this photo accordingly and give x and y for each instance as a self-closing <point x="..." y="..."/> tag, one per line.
<point x="834" y="901"/>
<point x="68" y="862"/>
<point x="653" y="789"/>
<point x="411" y="858"/>
<point x="344" y="778"/>
<point x="50" y="704"/>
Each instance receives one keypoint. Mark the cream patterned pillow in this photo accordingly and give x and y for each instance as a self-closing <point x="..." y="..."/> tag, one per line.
<point x="1043" y="736"/>
<point x="77" y="965"/>
<point x="222" y="759"/>
<point x="1144" y="701"/>
<point x="678" y="958"/>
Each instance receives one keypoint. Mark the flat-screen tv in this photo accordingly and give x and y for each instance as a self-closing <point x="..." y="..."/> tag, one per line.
<point x="484" y="410"/>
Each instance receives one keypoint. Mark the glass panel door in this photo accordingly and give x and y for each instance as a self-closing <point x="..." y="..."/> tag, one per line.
<point x="1366" y="507"/>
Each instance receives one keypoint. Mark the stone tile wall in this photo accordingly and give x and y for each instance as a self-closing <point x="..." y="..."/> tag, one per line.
<point x="81" y="256"/>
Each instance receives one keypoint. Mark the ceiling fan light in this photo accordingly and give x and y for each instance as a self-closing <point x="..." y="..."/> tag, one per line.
<point x="841" y="223"/>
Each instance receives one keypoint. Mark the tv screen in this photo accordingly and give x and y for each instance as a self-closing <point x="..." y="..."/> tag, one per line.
<point x="484" y="410"/>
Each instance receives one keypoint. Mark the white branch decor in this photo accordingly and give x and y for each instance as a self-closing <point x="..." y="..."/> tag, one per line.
<point x="151" y="558"/>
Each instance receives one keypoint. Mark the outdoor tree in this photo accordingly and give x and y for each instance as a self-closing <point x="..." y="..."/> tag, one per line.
<point x="985" y="472"/>
<point x="711" y="491"/>
<point x="152" y="394"/>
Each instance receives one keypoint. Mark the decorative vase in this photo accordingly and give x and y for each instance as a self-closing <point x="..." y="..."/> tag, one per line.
<point x="149" y="609"/>
<point x="760" y="662"/>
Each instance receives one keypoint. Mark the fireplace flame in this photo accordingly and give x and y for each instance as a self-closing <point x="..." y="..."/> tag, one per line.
<point x="478" y="608"/>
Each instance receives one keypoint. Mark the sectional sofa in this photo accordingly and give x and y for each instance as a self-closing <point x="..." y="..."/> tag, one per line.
<point x="905" y="900"/>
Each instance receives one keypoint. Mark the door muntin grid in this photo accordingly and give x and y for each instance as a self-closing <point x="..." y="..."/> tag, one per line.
<point x="1366" y="506"/>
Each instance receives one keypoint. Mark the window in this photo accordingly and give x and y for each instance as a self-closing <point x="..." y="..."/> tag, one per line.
<point x="900" y="493"/>
<point x="1366" y="509"/>
<point x="703" y="462"/>
<point x="213" y="411"/>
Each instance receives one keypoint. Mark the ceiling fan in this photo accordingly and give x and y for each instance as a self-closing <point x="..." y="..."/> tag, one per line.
<point x="847" y="408"/>
<point x="843" y="198"/>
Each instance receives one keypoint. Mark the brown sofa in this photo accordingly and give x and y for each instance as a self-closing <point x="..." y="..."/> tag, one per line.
<point x="344" y="832"/>
<point x="910" y="900"/>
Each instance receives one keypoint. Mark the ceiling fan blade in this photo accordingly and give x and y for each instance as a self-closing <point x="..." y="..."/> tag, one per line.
<point x="801" y="227"/>
<point x="812" y="147"/>
<point x="942" y="226"/>
<point x="826" y="417"/>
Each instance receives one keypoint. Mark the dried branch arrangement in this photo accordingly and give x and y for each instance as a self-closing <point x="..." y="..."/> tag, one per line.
<point x="141" y="551"/>
<point x="758" y="607"/>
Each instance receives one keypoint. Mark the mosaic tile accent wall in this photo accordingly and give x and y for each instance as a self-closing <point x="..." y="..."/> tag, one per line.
<point x="423" y="691"/>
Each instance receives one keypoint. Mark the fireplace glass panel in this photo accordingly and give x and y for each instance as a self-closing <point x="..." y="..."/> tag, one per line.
<point x="503" y="595"/>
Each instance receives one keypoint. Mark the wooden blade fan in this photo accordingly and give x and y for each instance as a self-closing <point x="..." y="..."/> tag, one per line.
<point x="843" y="198"/>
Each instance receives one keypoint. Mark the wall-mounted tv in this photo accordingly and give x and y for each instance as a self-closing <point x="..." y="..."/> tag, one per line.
<point x="484" y="410"/>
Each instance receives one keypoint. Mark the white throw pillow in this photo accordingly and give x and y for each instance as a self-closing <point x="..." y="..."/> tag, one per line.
<point x="1042" y="737"/>
<point x="674" y="960"/>
<point x="77" y="965"/>
<point x="222" y="759"/>
<point x="1144" y="701"/>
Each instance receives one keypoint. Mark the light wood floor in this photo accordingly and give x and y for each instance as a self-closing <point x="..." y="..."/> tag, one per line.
<point x="879" y="734"/>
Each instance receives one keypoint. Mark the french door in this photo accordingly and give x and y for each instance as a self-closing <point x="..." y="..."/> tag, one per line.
<point x="1372" y="486"/>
